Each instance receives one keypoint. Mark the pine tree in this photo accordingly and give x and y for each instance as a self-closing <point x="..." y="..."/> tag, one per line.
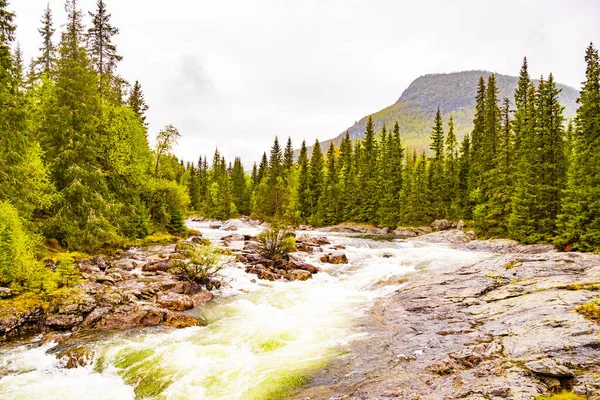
<point x="451" y="169"/>
<point x="332" y="212"/>
<point x="45" y="62"/>
<point x="437" y="137"/>
<point x="288" y="156"/>
<point x="315" y="185"/>
<point x="303" y="185"/>
<point x="263" y="168"/>
<point x="347" y="178"/>
<point x="368" y="176"/>
<point x="436" y="186"/>
<point x="239" y="188"/>
<point x="137" y="103"/>
<point x="537" y="198"/>
<point x="100" y="40"/>
<point x="464" y="165"/>
<point x="579" y="222"/>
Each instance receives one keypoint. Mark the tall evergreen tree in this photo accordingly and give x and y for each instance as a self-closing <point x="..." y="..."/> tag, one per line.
<point x="288" y="156"/>
<point x="303" y="185"/>
<point x="137" y="103"/>
<point x="368" y="176"/>
<point x="579" y="222"/>
<point x="315" y="184"/>
<point x="100" y="39"/>
<point x="45" y="62"/>
<point x="451" y="169"/>
<point x="332" y="212"/>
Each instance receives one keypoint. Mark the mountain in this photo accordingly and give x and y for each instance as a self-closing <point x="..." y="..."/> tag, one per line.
<point x="454" y="93"/>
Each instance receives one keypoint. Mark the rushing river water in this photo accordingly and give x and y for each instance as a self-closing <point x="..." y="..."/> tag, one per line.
<point x="262" y="338"/>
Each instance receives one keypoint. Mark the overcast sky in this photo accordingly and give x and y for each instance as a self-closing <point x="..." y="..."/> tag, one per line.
<point x="234" y="74"/>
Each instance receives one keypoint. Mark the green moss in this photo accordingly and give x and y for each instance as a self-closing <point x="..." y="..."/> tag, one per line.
<point x="561" y="396"/>
<point x="126" y="359"/>
<point x="22" y="304"/>
<point x="590" y="310"/>
<point x="139" y="370"/>
<point x="511" y="264"/>
<point x="583" y="286"/>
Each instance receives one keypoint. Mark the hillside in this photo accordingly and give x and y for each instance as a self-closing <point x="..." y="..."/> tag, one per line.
<point x="454" y="93"/>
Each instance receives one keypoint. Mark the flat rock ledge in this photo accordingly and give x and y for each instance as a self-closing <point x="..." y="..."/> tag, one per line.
<point x="502" y="328"/>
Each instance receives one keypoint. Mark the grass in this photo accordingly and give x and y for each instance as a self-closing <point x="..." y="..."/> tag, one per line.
<point x="561" y="396"/>
<point x="22" y="304"/>
<point x="590" y="310"/>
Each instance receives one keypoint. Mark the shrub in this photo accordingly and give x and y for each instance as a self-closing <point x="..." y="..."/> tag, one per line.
<point x="68" y="273"/>
<point x="590" y="310"/>
<point x="276" y="242"/>
<point x="18" y="266"/>
<point x="201" y="264"/>
<point x="167" y="201"/>
<point x="561" y="396"/>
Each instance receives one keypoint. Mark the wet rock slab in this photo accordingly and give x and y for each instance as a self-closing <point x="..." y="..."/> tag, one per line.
<point x="502" y="328"/>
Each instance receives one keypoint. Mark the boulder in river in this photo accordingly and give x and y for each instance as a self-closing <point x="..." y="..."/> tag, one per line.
<point x="298" y="275"/>
<point x="336" y="257"/>
<point x="441" y="224"/>
<point x="175" y="301"/>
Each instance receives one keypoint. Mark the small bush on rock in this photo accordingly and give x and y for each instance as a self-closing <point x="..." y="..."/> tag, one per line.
<point x="201" y="264"/>
<point x="276" y="242"/>
<point x="590" y="310"/>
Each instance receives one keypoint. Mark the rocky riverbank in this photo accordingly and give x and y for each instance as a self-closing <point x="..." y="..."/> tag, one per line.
<point x="502" y="328"/>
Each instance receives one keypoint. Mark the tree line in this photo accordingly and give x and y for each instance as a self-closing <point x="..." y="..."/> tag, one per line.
<point x="523" y="172"/>
<point x="76" y="167"/>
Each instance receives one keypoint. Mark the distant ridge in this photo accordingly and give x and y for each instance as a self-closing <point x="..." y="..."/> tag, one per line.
<point x="453" y="93"/>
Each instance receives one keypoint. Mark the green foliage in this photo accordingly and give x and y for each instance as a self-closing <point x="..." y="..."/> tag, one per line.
<point x="276" y="242"/>
<point x="18" y="266"/>
<point x="68" y="273"/>
<point x="165" y="201"/>
<point x="202" y="263"/>
<point x="590" y="310"/>
<point x="561" y="396"/>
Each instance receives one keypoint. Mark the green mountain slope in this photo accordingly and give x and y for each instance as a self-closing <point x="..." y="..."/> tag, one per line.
<point x="454" y="93"/>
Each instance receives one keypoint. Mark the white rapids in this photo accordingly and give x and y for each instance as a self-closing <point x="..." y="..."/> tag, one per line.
<point x="262" y="338"/>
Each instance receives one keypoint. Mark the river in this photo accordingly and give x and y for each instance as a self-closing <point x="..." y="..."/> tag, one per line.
<point x="262" y="339"/>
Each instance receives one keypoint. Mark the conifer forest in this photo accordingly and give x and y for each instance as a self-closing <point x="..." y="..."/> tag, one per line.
<point x="78" y="169"/>
<point x="445" y="247"/>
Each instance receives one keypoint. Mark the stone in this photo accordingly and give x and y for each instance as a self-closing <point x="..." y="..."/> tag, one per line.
<point x="180" y="320"/>
<point x="337" y="257"/>
<point x="233" y="238"/>
<point x="5" y="293"/>
<point x="76" y="356"/>
<point x="549" y="367"/>
<point x="305" y="267"/>
<point x="232" y="225"/>
<point x="251" y="246"/>
<point x="460" y="225"/>
<point x="156" y="266"/>
<point x="298" y="275"/>
<point x="174" y="301"/>
<point x="201" y="298"/>
<point x="441" y="225"/>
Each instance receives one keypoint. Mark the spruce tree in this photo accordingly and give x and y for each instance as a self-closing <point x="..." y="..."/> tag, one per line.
<point x="239" y="188"/>
<point x="303" y="185"/>
<point x="579" y="221"/>
<point x="288" y="156"/>
<point x="45" y="62"/>
<point x="368" y="176"/>
<point x="437" y="184"/>
<point x="451" y="169"/>
<point x="137" y="103"/>
<point x="100" y="40"/>
<point x="315" y="185"/>
<point x="347" y="178"/>
<point x="437" y="137"/>
<point x="331" y="193"/>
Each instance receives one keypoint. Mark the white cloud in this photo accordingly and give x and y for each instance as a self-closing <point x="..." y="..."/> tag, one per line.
<point x="234" y="74"/>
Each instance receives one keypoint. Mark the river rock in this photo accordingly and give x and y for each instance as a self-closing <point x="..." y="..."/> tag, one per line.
<point x="460" y="225"/>
<point x="68" y="308"/>
<point x="441" y="225"/>
<point x="337" y="257"/>
<point x="232" y="225"/>
<point x="21" y="315"/>
<point x="76" y="356"/>
<point x="549" y="367"/>
<point x="233" y="238"/>
<point x="251" y="246"/>
<point x="156" y="266"/>
<point x="298" y="275"/>
<point x="174" y="301"/>
<point x="180" y="320"/>
<point x="5" y="293"/>
<point x="131" y="315"/>
<point x="305" y="267"/>
<point x="201" y="298"/>
<point x="215" y="225"/>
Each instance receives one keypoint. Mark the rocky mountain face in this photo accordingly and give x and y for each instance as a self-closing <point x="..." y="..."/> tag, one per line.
<point x="454" y="93"/>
